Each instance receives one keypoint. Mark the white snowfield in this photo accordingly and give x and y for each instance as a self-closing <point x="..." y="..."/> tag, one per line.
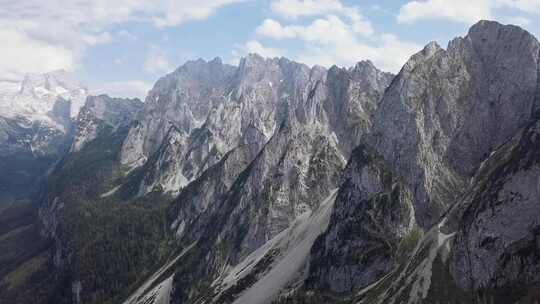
<point x="35" y="97"/>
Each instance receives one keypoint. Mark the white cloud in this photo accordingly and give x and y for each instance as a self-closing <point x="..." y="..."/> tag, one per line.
<point x="171" y="13"/>
<point x="157" y="62"/>
<point x="21" y="54"/>
<point x="335" y="40"/>
<point x="298" y="8"/>
<point x="466" y="11"/>
<point x="127" y="35"/>
<point x="330" y="29"/>
<point x="388" y="53"/>
<point x="254" y="46"/>
<point x="274" y="29"/>
<point x="518" y="20"/>
<point x="100" y="38"/>
<point x="70" y="27"/>
<point x="528" y="6"/>
<point x="125" y="89"/>
<point x="335" y="37"/>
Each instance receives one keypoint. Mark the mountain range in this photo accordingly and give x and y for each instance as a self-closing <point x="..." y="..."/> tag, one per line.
<point x="273" y="182"/>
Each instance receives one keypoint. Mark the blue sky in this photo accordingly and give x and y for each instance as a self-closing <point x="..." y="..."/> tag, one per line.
<point x="122" y="47"/>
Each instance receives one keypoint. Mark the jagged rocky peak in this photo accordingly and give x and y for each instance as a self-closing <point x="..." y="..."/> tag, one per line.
<point x="486" y="35"/>
<point x="101" y="112"/>
<point x="254" y="68"/>
<point x="107" y="108"/>
<point x="425" y="54"/>
<point x="353" y="95"/>
<point x="180" y="100"/>
<point x="55" y="84"/>
<point x="204" y="109"/>
<point x="274" y="82"/>
<point x="366" y="72"/>
<point x="448" y="109"/>
<point x="192" y="84"/>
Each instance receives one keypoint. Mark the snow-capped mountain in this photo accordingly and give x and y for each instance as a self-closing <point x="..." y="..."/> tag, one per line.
<point x="35" y="126"/>
<point x="35" y="97"/>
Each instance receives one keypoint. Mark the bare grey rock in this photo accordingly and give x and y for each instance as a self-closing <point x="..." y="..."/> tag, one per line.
<point x="101" y="112"/>
<point x="448" y="109"/>
<point x="498" y="223"/>
<point x="373" y="213"/>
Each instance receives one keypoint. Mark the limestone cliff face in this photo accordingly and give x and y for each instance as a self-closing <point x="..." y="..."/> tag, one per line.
<point x="448" y="109"/>
<point x="372" y="214"/>
<point x="442" y="116"/>
<point x="195" y="115"/>
<point x="485" y="249"/>
<point x="296" y="157"/>
<point x="99" y="112"/>
<point x="289" y="130"/>
<point x="497" y="230"/>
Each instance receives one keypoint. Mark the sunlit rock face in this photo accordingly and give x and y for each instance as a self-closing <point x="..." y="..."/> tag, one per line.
<point x="195" y="115"/>
<point x="448" y="109"/>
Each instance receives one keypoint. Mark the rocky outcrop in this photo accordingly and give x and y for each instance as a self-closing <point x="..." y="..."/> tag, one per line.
<point x="441" y="117"/>
<point x="303" y="158"/>
<point x="485" y="250"/>
<point x="101" y="112"/>
<point x="174" y="114"/>
<point x="373" y="213"/>
<point x="448" y="109"/>
<point x="496" y="246"/>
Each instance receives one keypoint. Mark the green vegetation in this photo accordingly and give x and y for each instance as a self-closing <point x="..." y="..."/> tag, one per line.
<point x="110" y="244"/>
<point x="408" y="243"/>
<point x="20" y="275"/>
<point x="115" y="244"/>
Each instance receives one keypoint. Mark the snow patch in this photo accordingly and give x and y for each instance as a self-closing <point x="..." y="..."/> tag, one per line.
<point x="41" y="91"/>
<point x="111" y="192"/>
